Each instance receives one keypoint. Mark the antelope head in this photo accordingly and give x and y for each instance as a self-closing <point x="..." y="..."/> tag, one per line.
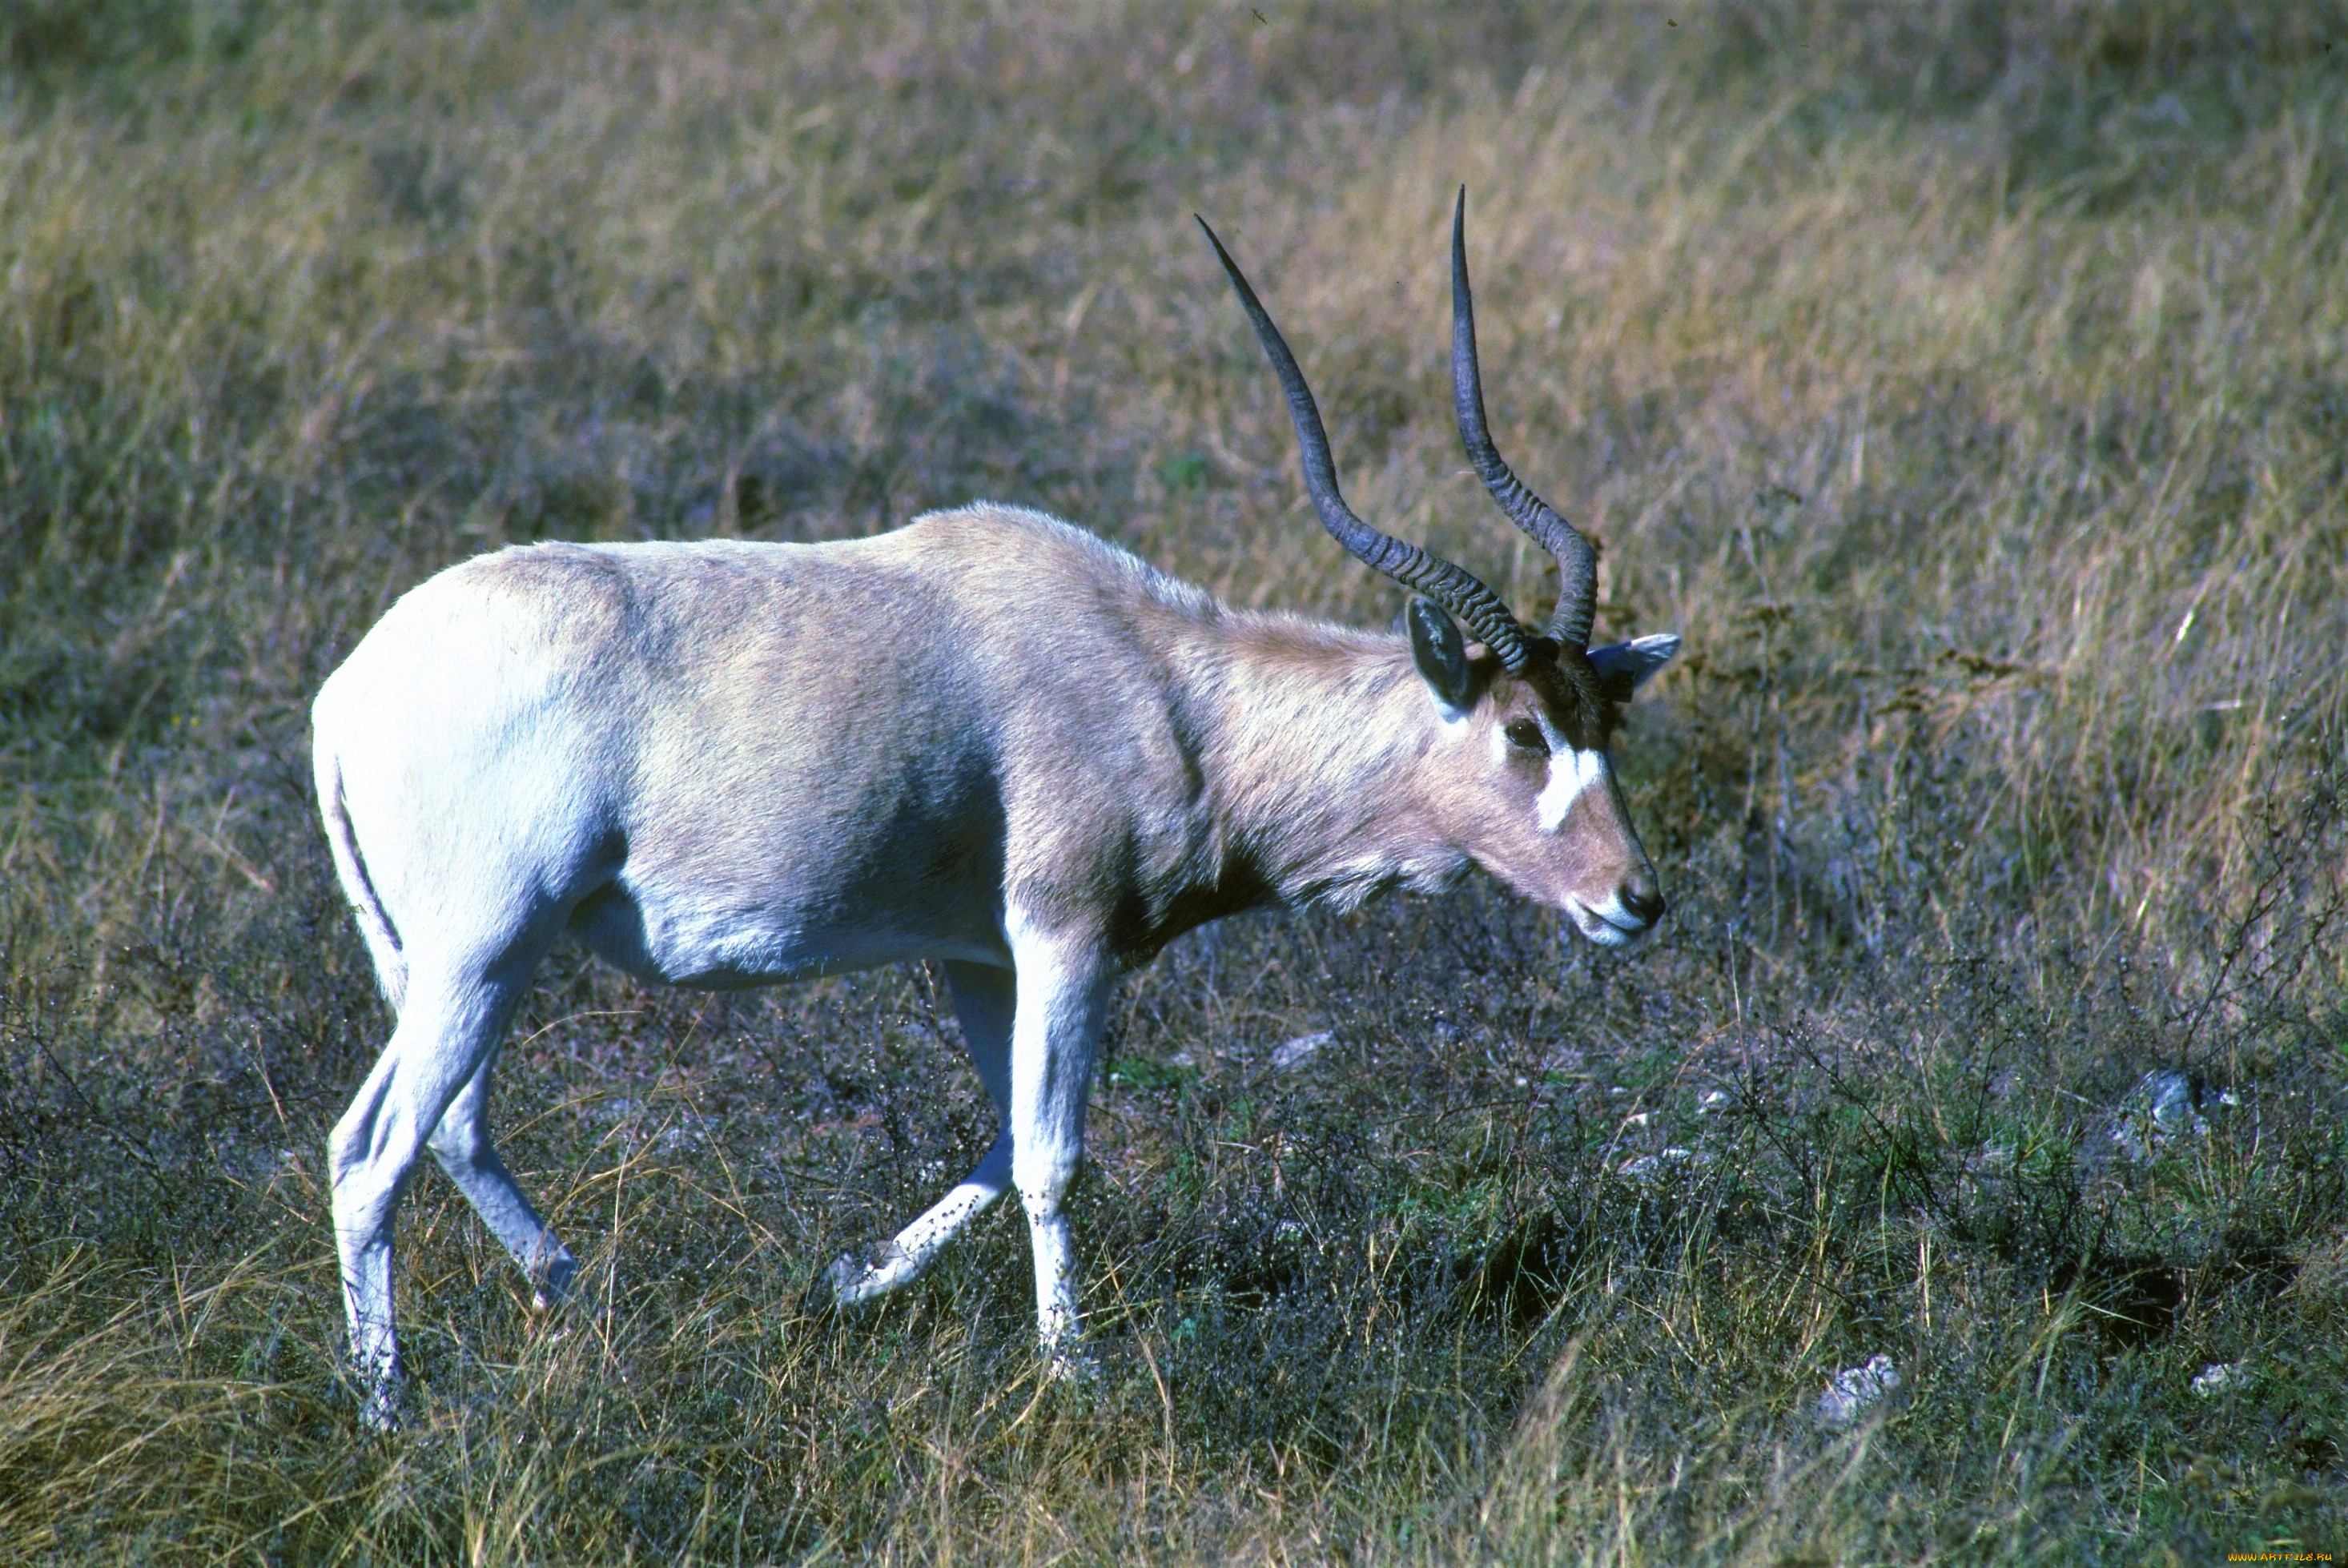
<point x="1525" y="716"/>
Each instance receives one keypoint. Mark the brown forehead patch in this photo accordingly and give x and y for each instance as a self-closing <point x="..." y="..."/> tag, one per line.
<point x="1569" y="687"/>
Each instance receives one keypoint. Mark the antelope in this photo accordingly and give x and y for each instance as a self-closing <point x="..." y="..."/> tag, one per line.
<point x="988" y="739"/>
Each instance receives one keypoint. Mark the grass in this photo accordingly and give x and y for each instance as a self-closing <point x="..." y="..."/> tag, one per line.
<point x="1967" y="383"/>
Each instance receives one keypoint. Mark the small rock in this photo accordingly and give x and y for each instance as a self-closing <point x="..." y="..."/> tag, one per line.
<point x="2164" y="1106"/>
<point x="1295" y="1053"/>
<point x="1654" y="1166"/>
<point x="1638" y="1118"/>
<point x="1711" y="1100"/>
<point x="2216" y="1378"/>
<point x="1181" y="1059"/>
<point x="2174" y="1100"/>
<point x="1854" y="1390"/>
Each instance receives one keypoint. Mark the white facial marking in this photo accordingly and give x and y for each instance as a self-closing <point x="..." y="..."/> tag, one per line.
<point x="1570" y="773"/>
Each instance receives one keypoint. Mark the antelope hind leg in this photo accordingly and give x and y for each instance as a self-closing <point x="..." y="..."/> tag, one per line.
<point x="448" y="1027"/>
<point x="462" y="1146"/>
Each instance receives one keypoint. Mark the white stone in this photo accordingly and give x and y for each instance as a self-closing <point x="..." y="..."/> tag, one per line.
<point x="2163" y="1107"/>
<point x="1297" y="1052"/>
<point x="1854" y="1390"/>
<point x="1656" y="1166"/>
<point x="2216" y="1378"/>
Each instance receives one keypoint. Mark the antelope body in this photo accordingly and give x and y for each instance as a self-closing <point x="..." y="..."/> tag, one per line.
<point x="987" y="738"/>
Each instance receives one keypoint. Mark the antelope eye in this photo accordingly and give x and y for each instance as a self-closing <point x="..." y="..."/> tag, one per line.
<point x="1525" y="733"/>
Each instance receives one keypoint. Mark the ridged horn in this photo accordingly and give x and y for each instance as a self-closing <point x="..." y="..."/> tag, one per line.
<point x="1577" y="563"/>
<point x="1457" y="590"/>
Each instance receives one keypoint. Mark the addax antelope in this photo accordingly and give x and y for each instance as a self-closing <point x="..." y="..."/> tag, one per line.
<point x="988" y="739"/>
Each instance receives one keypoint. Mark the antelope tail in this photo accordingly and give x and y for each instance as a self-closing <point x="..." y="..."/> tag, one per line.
<point x="374" y="926"/>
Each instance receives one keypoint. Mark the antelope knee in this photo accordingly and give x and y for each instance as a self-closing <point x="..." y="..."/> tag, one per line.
<point x="458" y="1152"/>
<point x="347" y="1147"/>
<point x="1042" y="1177"/>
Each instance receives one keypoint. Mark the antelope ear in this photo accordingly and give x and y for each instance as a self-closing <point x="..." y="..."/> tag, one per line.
<point x="1441" y="657"/>
<point x="1623" y="667"/>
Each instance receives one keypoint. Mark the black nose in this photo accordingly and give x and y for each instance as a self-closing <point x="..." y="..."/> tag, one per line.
<point x="1641" y="899"/>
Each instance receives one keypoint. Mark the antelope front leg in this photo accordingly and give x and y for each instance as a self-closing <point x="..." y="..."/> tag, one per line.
<point x="982" y="997"/>
<point x="854" y="1281"/>
<point x="1063" y="991"/>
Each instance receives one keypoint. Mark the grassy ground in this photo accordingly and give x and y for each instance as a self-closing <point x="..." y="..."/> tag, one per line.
<point x="1968" y="385"/>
